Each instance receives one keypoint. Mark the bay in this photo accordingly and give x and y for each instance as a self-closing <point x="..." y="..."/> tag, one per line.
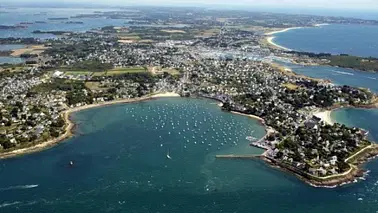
<point x="120" y="165"/>
<point x="358" y="40"/>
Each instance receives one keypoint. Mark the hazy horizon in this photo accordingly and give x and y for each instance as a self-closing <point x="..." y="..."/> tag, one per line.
<point x="246" y="4"/>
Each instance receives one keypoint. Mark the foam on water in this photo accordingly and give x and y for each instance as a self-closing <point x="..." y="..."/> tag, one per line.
<point x="343" y="73"/>
<point x="19" y="187"/>
<point x="9" y="204"/>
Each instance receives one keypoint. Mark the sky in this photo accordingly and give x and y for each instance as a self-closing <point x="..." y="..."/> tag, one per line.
<point x="319" y="4"/>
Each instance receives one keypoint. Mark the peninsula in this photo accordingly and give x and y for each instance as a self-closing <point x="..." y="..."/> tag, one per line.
<point x="211" y="59"/>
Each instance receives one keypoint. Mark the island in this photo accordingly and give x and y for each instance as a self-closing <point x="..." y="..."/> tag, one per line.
<point x="54" y="32"/>
<point x="12" y="27"/>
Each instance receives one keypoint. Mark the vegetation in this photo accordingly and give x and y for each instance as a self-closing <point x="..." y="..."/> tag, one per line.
<point x="123" y="70"/>
<point x="343" y="60"/>
<point x="90" y="65"/>
<point x="364" y="64"/>
<point x="59" y="84"/>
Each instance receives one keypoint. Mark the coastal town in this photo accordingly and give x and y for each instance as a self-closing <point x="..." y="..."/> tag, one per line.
<point x="229" y="58"/>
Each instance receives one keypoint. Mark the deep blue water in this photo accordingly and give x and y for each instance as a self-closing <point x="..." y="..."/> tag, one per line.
<point x="359" y="40"/>
<point x="120" y="165"/>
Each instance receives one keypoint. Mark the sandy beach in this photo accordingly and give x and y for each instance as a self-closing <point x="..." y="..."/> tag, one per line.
<point x="270" y="40"/>
<point x="165" y="94"/>
<point x="283" y="30"/>
<point x="70" y="125"/>
<point x="325" y="116"/>
<point x="31" y="49"/>
<point x="251" y="116"/>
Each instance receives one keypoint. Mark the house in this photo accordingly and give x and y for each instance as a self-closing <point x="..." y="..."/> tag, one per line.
<point x="57" y="74"/>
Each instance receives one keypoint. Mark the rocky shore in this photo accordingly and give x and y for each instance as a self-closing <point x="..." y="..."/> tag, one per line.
<point x="355" y="172"/>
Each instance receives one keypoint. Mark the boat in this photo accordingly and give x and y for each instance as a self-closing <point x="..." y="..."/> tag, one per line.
<point x="71" y="163"/>
<point x="168" y="156"/>
<point x="251" y="138"/>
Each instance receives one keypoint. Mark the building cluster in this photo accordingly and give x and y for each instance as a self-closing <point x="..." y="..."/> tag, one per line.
<point x="226" y="66"/>
<point x="27" y="116"/>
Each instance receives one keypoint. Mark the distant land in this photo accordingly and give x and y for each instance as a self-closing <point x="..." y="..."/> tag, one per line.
<point x="342" y="60"/>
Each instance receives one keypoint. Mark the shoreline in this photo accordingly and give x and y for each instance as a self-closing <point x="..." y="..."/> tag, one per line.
<point x="251" y="116"/>
<point x="271" y="37"/>
<point x="355" y="161"/>
<point x="325" y="116"/>
<point x="270" y="41"/>
<point x="331" y="181"/>
<point x="282" y="30"/>
<point x="69" y="124"/>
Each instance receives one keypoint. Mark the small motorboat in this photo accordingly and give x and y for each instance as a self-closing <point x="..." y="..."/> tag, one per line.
<point x="168" y="156"/>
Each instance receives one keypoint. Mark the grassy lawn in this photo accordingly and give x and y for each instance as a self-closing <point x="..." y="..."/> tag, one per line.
<point x="98" y="74"/>
<point x="171" y="71"/>
<point x="78" y="72"/>
<point x="123" y="70"/>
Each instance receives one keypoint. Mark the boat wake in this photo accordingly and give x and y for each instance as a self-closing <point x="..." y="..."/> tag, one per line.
<point x="343" y="73"/>
<point x="9" y="204"/>
<point x="19" y="187"/>
<point x="372" y="78"/>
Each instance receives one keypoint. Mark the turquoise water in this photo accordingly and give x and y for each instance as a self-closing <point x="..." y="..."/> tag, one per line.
<point x="364" y="118"/>
<point x="359" y="40"/>
<point x="120" y="165"/>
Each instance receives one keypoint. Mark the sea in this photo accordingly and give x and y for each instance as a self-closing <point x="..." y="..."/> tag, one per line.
<point x="159" y="156"/>
<point x="40" y="19"/>
<point x="358" y="40"/>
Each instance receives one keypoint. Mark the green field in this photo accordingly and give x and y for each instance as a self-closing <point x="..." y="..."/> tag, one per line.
<point x="171" y="71"/>
<point x="74" y="72"/>
<point x="123" y="70"/>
